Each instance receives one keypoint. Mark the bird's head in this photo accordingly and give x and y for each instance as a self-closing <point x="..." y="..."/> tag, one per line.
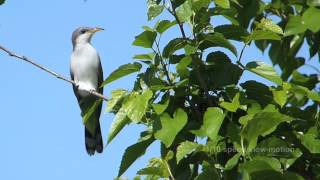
<point x="84" y="34"/>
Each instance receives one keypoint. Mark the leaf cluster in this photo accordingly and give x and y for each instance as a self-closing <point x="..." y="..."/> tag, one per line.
<point x="189" y="95"/>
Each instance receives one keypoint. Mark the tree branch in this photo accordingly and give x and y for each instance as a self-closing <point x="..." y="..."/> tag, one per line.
<point x="26" y="59"/>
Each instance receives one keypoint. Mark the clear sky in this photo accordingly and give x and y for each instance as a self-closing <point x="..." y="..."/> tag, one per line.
<point x="41" y="132"/>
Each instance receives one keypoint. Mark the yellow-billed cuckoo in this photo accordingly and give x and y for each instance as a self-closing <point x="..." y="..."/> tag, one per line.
<point x="86" y="72"/>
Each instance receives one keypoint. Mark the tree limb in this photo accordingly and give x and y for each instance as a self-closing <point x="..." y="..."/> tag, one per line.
<point x="26" y="59"/>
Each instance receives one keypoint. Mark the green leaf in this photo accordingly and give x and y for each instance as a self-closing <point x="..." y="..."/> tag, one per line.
<point x="154" y="171"/>
<point x="132" y="153"/>
<point x="233" y="32"/>
<point x="310" y="19"/>
<point x="161" y="107"/>
<point x="149" y="56"/>
<point x="218" y="64"/>
<point x="118" y="123"/>
<point x="145" y="39"/>
<point x="234" y="105"/>
<point x="264" y="70"/>
<point x="280" y="97"/>
<point x="217" y="40"/>
<point x="170" y="127"/>
<point x="172" y="47"/>
<point x="164" y="25"/>
<point x="232" y="162"/>
<point x="116" y="96"/>
<point x="122" y="71"/>
<point x="313" y="3"/>
<point x="183" y="65"/>
<point x="198" y="4"/>
<point x="258" y="92"/>
<point x="2" y="2"/>
<point x="268" y="24"/>
<point x="185" y="148"/>
<point x="294" y="26"/>
<point x="223" y="3"/>
<point x="184" y="11"/>
<point x="156" y="167"/>
<point x="212" y="121"/>
<point x="208" y="172"/>
<point x="263" y="123"/>
<point x="136" y="105"/>
<point x="311" y="140"/>
<point x="262" y="35"/>
<point x="154" y="9"/>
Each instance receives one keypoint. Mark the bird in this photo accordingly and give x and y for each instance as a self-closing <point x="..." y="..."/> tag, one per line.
<point x="86" y="71"/>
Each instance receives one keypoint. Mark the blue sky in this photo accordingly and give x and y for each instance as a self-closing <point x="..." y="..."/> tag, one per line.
<point x="41" y="132"/>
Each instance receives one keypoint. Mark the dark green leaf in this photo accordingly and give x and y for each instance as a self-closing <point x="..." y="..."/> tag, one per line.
<point x="264" y="70"/>
<point x="145" y="39"/>
<point x="132" y="153"/>
<point x="212" y="121"/>
<point x="208" y="172"/>
<point x="2" y="2"/>
<point x="170" y="127"/>
<point x="220" y="71"/>
<point x="230" y="31"/>
<point x="122" y="71"/>
<point x="217" y="40"/>
<point x="172" y="47"/>
<point x="258" y="92"/>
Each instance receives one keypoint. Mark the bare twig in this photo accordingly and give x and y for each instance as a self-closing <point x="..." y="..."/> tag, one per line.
<point x="26" y="59"/>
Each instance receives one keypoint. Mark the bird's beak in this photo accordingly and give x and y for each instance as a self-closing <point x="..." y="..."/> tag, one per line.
<point x="96" y="29"/>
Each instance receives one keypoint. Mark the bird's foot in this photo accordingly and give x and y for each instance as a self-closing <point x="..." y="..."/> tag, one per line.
<point x="85" y="88"/>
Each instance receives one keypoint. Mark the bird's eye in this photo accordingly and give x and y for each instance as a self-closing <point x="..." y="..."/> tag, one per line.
<point x="83" y="31"/>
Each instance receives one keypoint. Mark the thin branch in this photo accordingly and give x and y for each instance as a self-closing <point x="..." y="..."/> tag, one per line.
<point x="173" y="12"/>
<point x="241" y="53"/>
<point x="26" y="59"/>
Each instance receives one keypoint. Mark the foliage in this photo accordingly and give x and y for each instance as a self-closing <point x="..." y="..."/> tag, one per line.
<point x="188" y="94"/>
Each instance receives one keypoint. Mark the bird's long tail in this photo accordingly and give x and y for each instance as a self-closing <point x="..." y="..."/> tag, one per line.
<point x="94" y="141"/>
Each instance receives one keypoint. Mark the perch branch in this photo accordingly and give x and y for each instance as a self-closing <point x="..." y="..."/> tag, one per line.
<point x="26" y="59"/>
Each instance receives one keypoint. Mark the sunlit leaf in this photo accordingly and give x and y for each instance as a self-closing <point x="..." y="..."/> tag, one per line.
<point x="145" y="39"/>
<point x="122" y="71"/>
<point x="264" y="70"/>
<point x="212" y="121"/>
<point x="170" y="127"/>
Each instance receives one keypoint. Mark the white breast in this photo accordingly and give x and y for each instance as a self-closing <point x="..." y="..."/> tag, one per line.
<point x="84" y="66"/>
